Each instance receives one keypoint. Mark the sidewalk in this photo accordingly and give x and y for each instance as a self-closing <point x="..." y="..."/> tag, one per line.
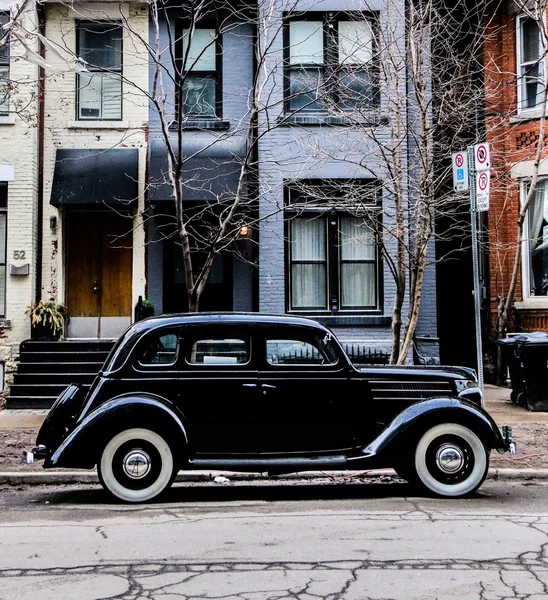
<point x="497" y="402"/>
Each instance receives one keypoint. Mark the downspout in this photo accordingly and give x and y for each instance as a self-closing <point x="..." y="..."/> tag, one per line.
<point x="41" y="100"/>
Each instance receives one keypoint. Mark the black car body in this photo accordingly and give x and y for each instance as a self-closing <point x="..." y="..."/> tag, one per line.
<point x="264" y="393"/>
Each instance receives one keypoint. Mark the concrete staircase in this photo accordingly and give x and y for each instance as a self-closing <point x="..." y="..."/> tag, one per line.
<point x="46" y="368"/>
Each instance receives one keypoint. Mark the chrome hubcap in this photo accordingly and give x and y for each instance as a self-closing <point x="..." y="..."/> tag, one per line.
<point x="136" y="464"/>
<point x="449" y="458"/>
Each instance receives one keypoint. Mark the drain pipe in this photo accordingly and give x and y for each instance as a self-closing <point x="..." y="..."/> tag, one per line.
<point x="40" y="11"/>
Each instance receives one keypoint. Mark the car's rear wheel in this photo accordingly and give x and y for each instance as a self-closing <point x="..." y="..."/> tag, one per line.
<point x="450" y="460"/>
<point x="136" y="465"/>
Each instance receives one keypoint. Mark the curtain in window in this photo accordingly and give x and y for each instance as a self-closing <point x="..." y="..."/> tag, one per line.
<point x="306" y="59"/>
<point x="308" y="263"/>
<point x="538" y="240"/>
<point x="358" y="282"/>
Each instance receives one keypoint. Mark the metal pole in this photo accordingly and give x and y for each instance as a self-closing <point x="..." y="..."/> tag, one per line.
<point x="474" y="222"/>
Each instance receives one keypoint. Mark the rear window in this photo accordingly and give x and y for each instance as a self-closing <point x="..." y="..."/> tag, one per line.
<point x="299" y="352"/>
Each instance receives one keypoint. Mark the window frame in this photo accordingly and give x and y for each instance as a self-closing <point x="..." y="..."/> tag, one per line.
<point x="332" y="216"/>
<point x="526" y="254"/>
<point x="331" y="67"/>
<point x="5" y="63"/>
<point x="520" y="84"/>
<point x="119" y="71"/>
<point x="217" y="75"/>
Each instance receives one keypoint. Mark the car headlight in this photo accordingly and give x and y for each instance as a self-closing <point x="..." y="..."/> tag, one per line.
<point x="465" y="384"/>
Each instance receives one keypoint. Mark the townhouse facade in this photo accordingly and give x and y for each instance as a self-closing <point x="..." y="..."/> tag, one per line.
<point x="515" y="82"/>
<point x="280" y="105"/>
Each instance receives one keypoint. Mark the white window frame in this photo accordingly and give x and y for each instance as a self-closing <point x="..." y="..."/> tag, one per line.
<point x="101" y="76"/>
<point x="5" y="65"/>
<point x="528" y="298"/>
<point x="520" y="64"/>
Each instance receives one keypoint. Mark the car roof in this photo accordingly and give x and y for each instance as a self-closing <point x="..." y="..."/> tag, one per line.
<point x="225" y="317"/>
<point x="135" y="332"/>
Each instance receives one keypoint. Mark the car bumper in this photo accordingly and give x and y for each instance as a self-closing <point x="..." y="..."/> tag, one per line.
<point x="31" y="456"/>
<point x="509" y="443"/>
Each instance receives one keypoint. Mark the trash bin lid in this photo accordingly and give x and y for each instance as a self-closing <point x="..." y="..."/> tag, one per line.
<point x="535" y="338"/>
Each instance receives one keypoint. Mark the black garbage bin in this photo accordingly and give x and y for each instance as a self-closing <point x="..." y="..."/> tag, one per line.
<point x="513" y="362"/>
<point x="531" y="350"/>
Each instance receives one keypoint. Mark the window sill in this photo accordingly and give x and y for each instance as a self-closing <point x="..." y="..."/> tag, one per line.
<point x="201" y="124"/>
<point x="97" y="125"/>
<point x="533" y="303"/>
<point x="526" y="115"/>
<point x="7" y="120"/>
<point x="323" y="119"/>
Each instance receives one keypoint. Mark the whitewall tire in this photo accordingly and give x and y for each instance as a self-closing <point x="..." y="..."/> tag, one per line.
<point x="136" y="465"/>
<point x="451" y="460"/>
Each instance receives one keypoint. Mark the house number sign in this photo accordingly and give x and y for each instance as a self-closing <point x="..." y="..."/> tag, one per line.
<point x="19" y="254"/>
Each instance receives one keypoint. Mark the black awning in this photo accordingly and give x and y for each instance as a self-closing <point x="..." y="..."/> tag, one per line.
<point x="96" y="177"/>
<point x="211" y="170"/>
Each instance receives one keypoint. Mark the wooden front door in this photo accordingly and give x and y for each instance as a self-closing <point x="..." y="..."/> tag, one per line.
<point x="99" y="269"/>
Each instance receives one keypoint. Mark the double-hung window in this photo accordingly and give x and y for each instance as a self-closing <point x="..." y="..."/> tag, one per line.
<point x="99" y="81"/>
<point x="332" y="247"/>
<point x="536" y="248"/>
<point x="200" y="56"/>
<point x="330" y="62"/>
<point x="4" y="66"/>
<point x="530" y="59"/>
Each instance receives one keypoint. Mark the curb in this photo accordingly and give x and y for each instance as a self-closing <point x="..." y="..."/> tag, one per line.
<point x="90" y="477"/>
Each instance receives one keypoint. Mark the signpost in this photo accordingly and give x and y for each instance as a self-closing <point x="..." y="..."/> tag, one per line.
<point x="478" y="181"/>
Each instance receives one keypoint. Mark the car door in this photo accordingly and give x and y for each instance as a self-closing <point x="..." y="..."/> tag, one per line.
<point x="218" y="390"/>
<point x="308" y="397"/>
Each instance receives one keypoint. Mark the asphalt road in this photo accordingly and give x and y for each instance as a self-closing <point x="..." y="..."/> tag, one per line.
<point x="244" y="541"/>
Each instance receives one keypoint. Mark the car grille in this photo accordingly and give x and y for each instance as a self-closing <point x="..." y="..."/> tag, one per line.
<point x="385" y="389"/>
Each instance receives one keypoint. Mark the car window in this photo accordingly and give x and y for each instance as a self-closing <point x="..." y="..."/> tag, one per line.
<point x="218" y="351"/>
<point x="297" y="352"/>
<point x="160" y="350"/>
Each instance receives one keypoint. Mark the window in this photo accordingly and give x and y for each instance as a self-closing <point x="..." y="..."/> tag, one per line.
<point x="100" y="83"/>
<point x="299" y="352"/>
<point x="537" y="248"/>
<point x="161" y="350"/>
<point x="200" y="53"/>
<point x="332" y="232"/>
<point x="219" y="351"/>
<point x="3" y="242"/>
<point x="330" y="63"/>
<point x="530" y="64"/>
<point x="4" y="66"/>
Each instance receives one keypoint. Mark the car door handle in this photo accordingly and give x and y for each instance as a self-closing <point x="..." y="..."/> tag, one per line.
<point x="249" y="385"/>
<point x="266" y="386"/>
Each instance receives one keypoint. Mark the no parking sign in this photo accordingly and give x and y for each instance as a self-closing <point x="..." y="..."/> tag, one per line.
<point x="460" y="171"/>
<point x="483" y="181"/>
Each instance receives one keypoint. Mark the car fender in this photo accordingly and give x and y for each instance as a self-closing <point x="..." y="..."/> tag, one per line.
<point x="82" y="446"/>
<point x="407" y="427"/>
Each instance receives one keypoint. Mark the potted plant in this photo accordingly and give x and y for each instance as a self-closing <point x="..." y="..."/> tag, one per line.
<point x="143" y="309"/>
<point x="48" y="319"/>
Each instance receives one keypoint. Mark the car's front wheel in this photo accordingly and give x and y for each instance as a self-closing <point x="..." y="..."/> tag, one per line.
<point x="136" y="465"/>
<point x="450" y="460"/>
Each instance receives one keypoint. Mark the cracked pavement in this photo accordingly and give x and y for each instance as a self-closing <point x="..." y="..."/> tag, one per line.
<point x="247" y="542"/>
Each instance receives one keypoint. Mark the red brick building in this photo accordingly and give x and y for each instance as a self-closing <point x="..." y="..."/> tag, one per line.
<point x="515" y="79"/>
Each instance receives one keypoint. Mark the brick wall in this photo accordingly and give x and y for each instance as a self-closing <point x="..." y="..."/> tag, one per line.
<point x="513" y="142"/>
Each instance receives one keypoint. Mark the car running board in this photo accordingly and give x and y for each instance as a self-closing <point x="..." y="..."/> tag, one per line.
<point x="270" y="465"/>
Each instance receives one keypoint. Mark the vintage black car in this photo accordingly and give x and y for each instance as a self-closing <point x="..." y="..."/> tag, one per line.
<point x="269" y="394"/>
